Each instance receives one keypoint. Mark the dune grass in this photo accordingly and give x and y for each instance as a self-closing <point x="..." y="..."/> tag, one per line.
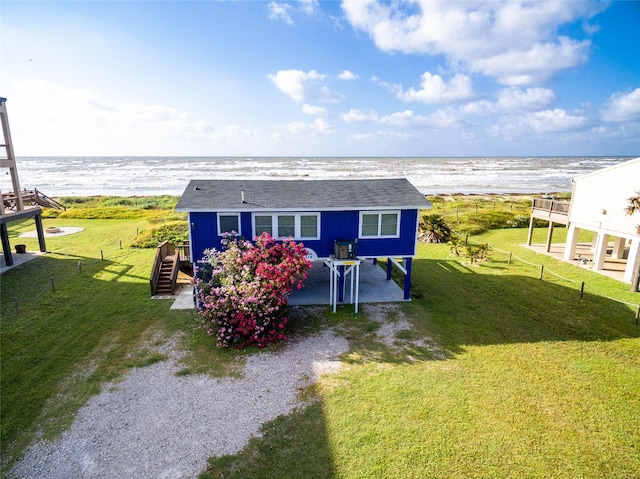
<point x="526" y="380"/>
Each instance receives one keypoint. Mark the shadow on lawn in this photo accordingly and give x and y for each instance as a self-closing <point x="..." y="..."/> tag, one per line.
<point x="293" y="446"/>
<point x="475" y="305"/>
<point x="67" y="317"/>
<point x="456" y="304"/>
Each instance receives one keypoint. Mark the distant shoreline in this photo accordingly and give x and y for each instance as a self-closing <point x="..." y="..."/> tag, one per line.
<point x="560" y="194"/>
<point x="86" y="176"/>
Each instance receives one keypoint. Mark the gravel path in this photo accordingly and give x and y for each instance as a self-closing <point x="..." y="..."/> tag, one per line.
<point x="156" y="425"/>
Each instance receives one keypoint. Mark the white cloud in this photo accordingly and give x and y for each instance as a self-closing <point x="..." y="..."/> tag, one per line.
<point x="515" y="99"/>
<point x="512" y="100"/>
<point x="314" y="110"/>
<point x="539" y="62"/>
<point x="280" y="11"/>
<point x="380" y="136"/>
<point x="359" y="116"/>
<point x="284" y="11"/>
<point x="541" y="122"/>
<point x="623" y="106"/>
<point x="295" y="83"/>
<point x="515" y="42"/>
<point x="408" y="118"/>
<point x="91" y="124"/>
<point x="555" y="120"/>
<point x="436" y="90"/>
<point x="308" y="6"/>
<point x="318" y="126"/>
<point x="439" y="119"/>
<point x="301" y="86"/>
<point x="328" y="96"/>
<point x="347" y="75"/>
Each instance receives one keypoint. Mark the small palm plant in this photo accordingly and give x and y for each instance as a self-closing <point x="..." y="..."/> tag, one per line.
<point x="434" y="229"/>
<point x="632" y="208"/>
<point x="477" y="253"/>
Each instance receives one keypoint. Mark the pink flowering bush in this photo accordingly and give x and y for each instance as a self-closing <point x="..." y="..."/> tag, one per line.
<point x="243" y="301"/>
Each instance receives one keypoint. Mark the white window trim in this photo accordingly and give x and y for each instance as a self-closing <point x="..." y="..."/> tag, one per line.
<point x="297" y="224"/>
<point x="380" y="213"/>
<point x="237" y="215"/>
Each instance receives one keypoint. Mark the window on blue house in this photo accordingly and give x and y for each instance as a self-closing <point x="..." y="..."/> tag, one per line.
<point x="228" y="223"/>
<point x="286" y="226"/>
<point x="379" y="224"/>
<point x="309" y="226"/>
<point x="299" y="226"/>
<point x="263" y="224"/>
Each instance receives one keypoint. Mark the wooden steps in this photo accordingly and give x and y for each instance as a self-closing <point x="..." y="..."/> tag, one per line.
<point x="165" y="285"/>
<point x="29" y="198"/>
<point x="167" y="265"/>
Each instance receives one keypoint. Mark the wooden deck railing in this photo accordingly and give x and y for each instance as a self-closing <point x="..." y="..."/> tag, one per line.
<point x="184" y="251"/>
<point x="552" y="206"/>
<point x="29" y="198"/>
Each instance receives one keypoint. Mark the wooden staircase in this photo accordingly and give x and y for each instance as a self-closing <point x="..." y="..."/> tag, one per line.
<point x="165" y="284"/>
<point x="166" y="266"/>
<point x="10" y="200"/>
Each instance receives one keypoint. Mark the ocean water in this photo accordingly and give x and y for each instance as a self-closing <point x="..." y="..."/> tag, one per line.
<point x="138" y="176"/>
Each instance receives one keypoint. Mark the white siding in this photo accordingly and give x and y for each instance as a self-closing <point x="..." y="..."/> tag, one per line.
<point x="599" y="199"/>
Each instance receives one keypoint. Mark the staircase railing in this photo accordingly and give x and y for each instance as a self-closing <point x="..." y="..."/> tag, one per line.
<point x="30" y="198"/>
<point x="184" y="251"/>
<point x="175" y="268"/>
<point x="162" y="251"/>
<point x="44" y="200"/>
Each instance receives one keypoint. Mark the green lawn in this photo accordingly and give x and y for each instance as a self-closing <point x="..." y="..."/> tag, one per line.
<point x="526" y="380"/>
<point x="534" y="383"/>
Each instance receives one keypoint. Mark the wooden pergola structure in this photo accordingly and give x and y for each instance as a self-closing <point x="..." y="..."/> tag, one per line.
<point x="16" y="209"/>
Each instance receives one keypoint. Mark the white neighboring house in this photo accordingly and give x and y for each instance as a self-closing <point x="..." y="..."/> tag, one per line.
<point x="598" y="204"/>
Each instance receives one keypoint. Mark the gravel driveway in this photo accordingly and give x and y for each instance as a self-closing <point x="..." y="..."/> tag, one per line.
<point x="154" y="424"/>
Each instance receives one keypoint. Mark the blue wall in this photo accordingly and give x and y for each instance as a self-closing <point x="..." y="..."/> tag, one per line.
<point x="333" y="225"/>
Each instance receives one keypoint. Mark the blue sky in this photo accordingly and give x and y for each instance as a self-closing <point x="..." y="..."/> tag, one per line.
<point x="313" y="78"/>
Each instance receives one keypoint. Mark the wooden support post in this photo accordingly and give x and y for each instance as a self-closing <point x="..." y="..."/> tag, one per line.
<point x="549" y="236"/>
<point x="40" y="231"/>
<point x="6" y="246"/>
<point x="407" y="278"/>
<point x="389" y="268"/>
<point x="541" y="271"/>
<point x="530" y="233"/>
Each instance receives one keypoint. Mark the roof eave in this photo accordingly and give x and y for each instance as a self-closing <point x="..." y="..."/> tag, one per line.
<point x="297" y="210"/>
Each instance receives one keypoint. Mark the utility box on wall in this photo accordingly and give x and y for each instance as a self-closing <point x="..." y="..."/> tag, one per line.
<point x="344" y="248"/>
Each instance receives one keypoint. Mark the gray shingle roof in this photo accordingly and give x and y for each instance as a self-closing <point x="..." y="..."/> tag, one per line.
<point x="300" y="195"/>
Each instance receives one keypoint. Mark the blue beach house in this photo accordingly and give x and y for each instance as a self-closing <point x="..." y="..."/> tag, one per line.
<point x="373" y="218"/>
